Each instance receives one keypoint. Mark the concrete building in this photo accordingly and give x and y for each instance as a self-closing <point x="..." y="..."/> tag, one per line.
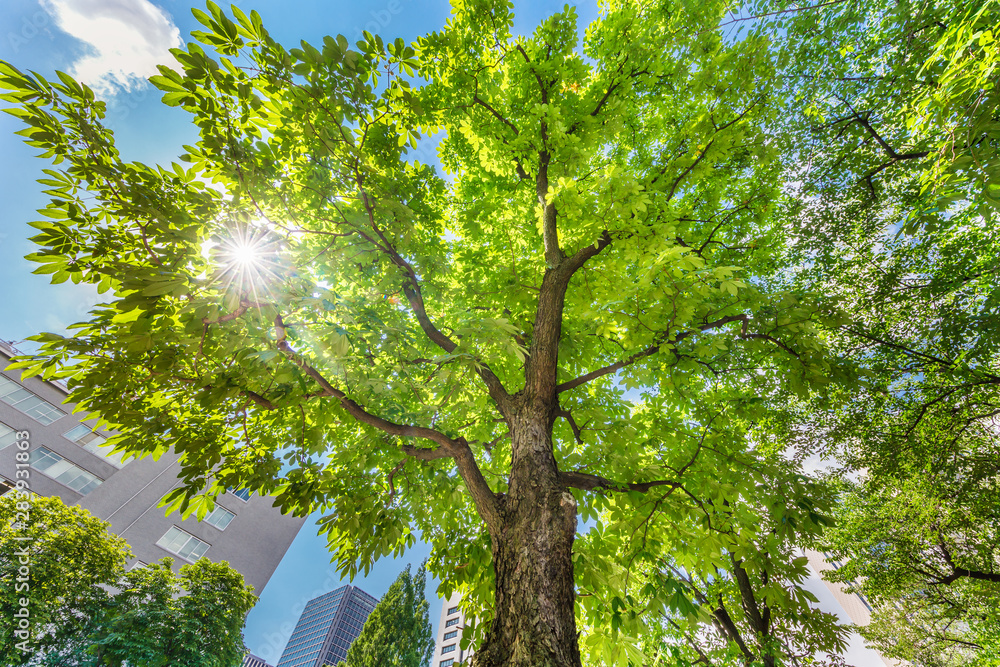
<point x="70" y="460"/>
<point x="250" y="660"/>
<point x="448" y="648"/>
<point x="327" y="627"/>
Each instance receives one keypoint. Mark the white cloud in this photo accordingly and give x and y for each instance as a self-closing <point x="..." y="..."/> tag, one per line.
<point x="127" y="39"/>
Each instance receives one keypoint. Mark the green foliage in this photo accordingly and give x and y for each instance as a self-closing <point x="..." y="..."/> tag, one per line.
<point x="87" y="611"/>
<point x="70" y="558"/>
<point x="703" y="588"/>
<point x="193" y="619"/>
<point x="897" y="218"/>
<point x="925" y="552"/>
<point x="642" y="254"/>
<point x="398" y="631"/>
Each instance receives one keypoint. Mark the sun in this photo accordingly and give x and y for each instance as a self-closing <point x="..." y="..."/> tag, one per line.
<point x="246" y="254"/>
<point x="248" y="259"/>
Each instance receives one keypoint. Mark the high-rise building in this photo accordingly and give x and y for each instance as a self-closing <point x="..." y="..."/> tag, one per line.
<point x="250" y="660"/>
<point x="327" y="627"/>
<point x="69" y="459"/>
<point x="448" y="649"/>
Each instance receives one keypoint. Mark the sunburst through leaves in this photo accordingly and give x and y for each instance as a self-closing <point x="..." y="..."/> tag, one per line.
<point x="249" y="260"/>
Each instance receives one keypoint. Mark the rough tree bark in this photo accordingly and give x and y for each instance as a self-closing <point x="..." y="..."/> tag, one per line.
<point x="534" y="622"/>
<point x="534" y="524"/>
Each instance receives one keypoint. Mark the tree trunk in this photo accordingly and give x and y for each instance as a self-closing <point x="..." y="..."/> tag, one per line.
<point x="534" y="623"/>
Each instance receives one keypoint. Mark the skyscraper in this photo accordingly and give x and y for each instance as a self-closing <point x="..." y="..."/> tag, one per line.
<point x="327" y="627"/>
<point x="448" y="649"/>
<point x="68" y="458"/>
<point x="250" y="660"/>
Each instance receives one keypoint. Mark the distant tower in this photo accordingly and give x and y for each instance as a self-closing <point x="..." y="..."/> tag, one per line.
<point x="327" y="627"/>
<point x="448" y="650"/>
<point x="250" y="660"/>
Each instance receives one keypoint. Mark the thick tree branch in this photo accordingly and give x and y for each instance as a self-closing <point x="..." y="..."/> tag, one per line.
<point x="588" y="482"/>
<point x="651" y="350"/>
<point x="960" y="572"/>
<point x="889" y="150"/>
<point x="496" y="114"/>
<point x="543" y="354"/>
<point x="575" y="262"/>
<point x="414" y="296"/>
<point x="730" y="629"/>
<point x="550" y="232"/>
<point x="456" y="448"/>
<point x="568" y="416"/>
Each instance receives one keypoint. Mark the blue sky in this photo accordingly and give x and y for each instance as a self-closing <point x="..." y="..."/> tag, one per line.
<point x="113" y="45"/>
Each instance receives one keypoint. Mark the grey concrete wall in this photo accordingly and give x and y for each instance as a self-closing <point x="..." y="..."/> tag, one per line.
<point x="253" y="543"/>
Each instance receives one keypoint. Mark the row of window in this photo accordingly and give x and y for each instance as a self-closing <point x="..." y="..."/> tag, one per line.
<point x="46" y="413"/>
<point x="308" y="639"/>
<point x="82" y="435"/>
<point x="16" y="396"/>
<point x="451" y="634"/>
<point x="182" y="543"/>
<point x="63" y="471"/>
<point x="85" y="436"/>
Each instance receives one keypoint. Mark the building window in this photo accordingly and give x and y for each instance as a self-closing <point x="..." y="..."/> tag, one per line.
<point x="453" y="610"/>
<point x="17" y="396"/>
<point x="6" y="486"/>
<point x="84" y="436"/>
<point x="447" y="649"/>
<point x="185" y="545"/>
<point x="136" y="564"/>
<point x="8" y="436"/>
<point x="63" y="471"/>
<point x="242" y="494"/>
<point x="451" y="635"/>
<point x="219" y="517"/>
<point x="446" y="663"/>
<point x="450" y="622"/>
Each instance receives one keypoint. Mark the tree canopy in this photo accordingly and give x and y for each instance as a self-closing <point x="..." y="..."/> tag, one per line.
<point x="660" y="251"/>
<point x="86" y="610"/>
<point x="898" y="213"/>
<point x="398" y="631"/>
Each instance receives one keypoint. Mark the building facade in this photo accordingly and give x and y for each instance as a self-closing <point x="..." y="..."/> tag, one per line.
<point x="448" y="648"/>
<point x="327" y="627"/>
<point x="250" y="660"/>
<point x="68" y="458"/>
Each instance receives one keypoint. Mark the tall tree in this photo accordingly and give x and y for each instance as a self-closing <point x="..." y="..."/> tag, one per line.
<point x="897" y="167"/>
<point x="398" y="631"/>
<point x="70" y="561"/>
<point x="589" y="315"/>
<point x="85" y="610"/>
<point x="161" y="619"/>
